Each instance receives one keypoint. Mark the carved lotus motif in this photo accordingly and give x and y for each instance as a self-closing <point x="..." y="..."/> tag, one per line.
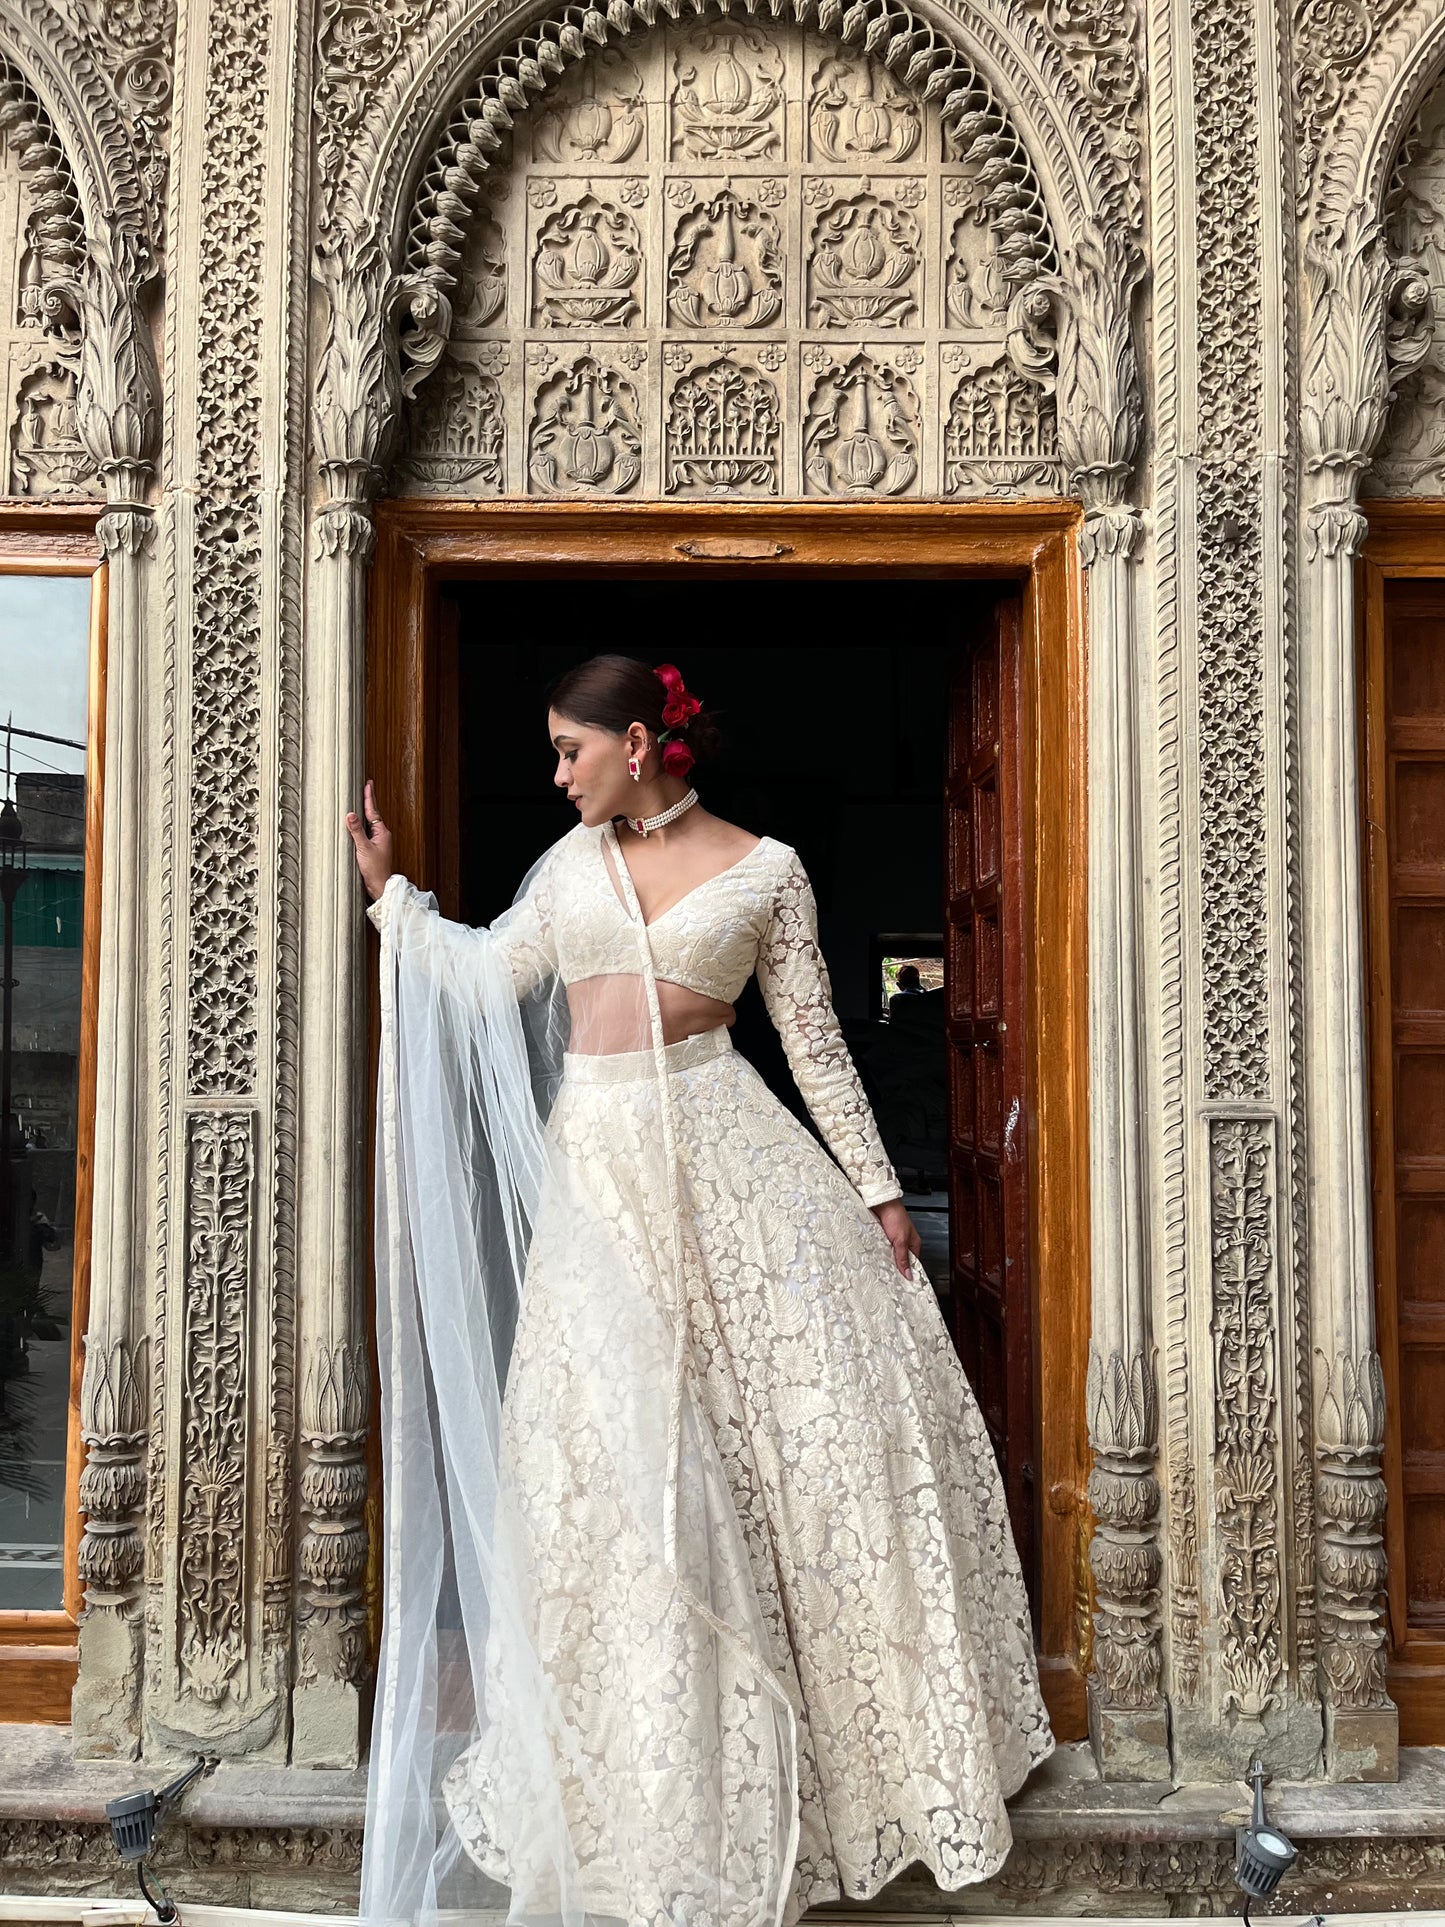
<point x="586" y="435"/>
<point x="725" y="268"/>
<point x="596" y="116"/>
<point x="859" y="116"/>
<point x="861" y="436"/>
<point x="727" y="100"/>
<point x="587" y="258"/>
<point x="864" y="265"/>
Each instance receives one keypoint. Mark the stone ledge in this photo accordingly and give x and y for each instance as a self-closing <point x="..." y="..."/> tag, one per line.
<point x="290" y="1838"/>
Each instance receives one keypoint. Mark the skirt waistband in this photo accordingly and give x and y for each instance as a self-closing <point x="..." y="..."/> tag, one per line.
<point x="630" y="1066"/>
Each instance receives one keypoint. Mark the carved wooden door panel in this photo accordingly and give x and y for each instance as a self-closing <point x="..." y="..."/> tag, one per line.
<point x="1405" y="845"/>
<point x="988" y="1111"/>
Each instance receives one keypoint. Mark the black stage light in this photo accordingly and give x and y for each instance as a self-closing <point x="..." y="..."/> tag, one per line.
<point x="1262" y="1854"/>
<point x="133" y="1821"/>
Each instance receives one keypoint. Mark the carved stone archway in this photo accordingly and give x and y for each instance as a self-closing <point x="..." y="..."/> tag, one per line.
<point x="406" y="147"/>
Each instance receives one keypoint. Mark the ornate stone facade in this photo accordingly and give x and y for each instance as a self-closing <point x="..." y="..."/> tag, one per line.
<point x="1183" y="266"/>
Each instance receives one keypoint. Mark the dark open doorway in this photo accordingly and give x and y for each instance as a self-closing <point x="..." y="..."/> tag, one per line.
<point x="837" y="701"/>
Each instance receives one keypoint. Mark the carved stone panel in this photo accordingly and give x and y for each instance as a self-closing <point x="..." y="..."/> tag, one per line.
<point x="724" y="432"/>
<point x="40" y="242"/>
<point x="586" y="263"/>
<point x="725" y="266"/>
<point x="864" y="257"/>
<point x="585" y="435"/>
<point x="807" y="293"/>
<point x="727" y="101"/>
<point x="859" y="115"/>
<point x="1411" y="459"/>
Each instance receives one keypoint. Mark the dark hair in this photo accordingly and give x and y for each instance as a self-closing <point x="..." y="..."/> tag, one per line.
<point x="610" y="692"/>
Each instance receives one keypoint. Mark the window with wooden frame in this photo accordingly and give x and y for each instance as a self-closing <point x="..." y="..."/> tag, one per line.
<point x="52" y="684"/>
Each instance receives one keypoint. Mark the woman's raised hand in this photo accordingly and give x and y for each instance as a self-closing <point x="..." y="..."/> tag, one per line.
<point x="371" y="842"/>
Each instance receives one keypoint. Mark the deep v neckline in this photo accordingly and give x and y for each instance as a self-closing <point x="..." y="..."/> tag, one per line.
<point x="626" y="871"/>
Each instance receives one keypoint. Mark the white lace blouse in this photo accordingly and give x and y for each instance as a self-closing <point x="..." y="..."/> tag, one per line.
<point x="759" y="916"/>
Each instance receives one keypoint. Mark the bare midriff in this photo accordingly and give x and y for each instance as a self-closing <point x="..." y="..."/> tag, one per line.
<point x="610" y="1014"/>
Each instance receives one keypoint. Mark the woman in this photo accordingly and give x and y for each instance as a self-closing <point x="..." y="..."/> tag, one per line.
<point x="715" y="1615"/>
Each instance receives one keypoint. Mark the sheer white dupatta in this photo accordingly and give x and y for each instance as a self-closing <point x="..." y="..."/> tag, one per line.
<point x="487" y="1753"/>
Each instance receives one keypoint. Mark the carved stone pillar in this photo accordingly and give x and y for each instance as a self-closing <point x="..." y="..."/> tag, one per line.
<point x="1128" y="1718"/>
<point x="119" y="419"/>
<point x="1089" y="307"/>
<point x="357" y="409"/>
<point x="220" y="1597"/>
<point x="1367" y="325"/>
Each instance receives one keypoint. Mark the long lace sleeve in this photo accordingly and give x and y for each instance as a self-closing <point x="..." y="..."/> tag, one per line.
<point x="522" y="935"/>
<point x="799" y="997"/>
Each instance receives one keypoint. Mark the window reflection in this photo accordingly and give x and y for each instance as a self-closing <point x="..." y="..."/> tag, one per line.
<point x="44" y="682"/>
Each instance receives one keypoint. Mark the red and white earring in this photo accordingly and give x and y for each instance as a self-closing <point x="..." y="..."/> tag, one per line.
<point x="634" y="769"/>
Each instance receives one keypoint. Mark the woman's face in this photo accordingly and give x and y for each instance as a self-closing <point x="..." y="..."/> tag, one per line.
<point x="592" y="767"/>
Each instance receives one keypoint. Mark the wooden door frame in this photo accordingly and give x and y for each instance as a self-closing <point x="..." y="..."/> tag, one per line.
<point x="1406" y="541"/>
<point x="39" y="1648"/>
<point x="422" y="544"/>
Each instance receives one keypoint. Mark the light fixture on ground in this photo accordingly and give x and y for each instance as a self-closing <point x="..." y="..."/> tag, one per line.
<point x="1262" y="1854"/>
<point x="133" y="1821"/>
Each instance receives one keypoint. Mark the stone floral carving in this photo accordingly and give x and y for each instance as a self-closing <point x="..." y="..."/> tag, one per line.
<point x="861" y="432"/>
<point x="134" y="41"/>
<point x="357" y="46"/>
<point x="1349" y="1441"/>
<point x="976" y="291"/>
<point x="331" y="1614"/>
<point x="977" y="136"/>
<point x="47" y="455"/>
<point x="214" y="1428"/>
<point x="859" y="116"/>
<point x="1371" y="324"/>
<point x="586" y="433"/>
<point x="1246" y="1410"/>
<point x="863" y="265"/>
<point x="457" y="431"/>
<point x="1332" y="40"/>
<point x="725" y="269"/>
<point x="1001" y="435"/>
<point x="727" y="98"/>
<point x="585" y="267"/>
<point x="482" y="282"/>
<point x="112" y="1482"/>
<point x="1124" y="1551"/>
<point x="724" y="433"/>
<point x="595" y="117"/>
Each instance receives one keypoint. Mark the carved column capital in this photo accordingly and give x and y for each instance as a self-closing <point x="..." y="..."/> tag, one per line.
<point x="345" y="530"/>
<point x="1110" y="532"/>
<point x="1370" y="322"/>
<point x="128" y="531"/>
<point x="119" y="398"/>
<point x="1083" y="319"/>
<point x="1335" y="530"/>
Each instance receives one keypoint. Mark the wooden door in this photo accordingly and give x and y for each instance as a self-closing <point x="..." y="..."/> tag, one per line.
<point x="1405" y="868"/>
<point x="988" y="1110"/>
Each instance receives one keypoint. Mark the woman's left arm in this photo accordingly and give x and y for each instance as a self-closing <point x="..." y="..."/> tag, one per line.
<point x="799" y="997"/>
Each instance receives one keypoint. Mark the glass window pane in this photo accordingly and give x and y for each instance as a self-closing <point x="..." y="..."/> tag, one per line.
<point x="44" y="681"/>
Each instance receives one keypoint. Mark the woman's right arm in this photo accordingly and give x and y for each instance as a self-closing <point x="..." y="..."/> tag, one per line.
<point x="522" y="936"/>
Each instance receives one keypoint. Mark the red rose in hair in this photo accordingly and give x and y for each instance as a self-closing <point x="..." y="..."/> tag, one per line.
<point x="679" y="709"/>
<point x="669" y="677"/>
<point x="677" y="759"/>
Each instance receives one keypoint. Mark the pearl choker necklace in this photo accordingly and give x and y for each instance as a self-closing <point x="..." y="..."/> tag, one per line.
<point x="645" y="824"/>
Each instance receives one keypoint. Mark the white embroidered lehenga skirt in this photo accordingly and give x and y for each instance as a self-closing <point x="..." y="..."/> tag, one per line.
<point x="893" y="1606"/>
